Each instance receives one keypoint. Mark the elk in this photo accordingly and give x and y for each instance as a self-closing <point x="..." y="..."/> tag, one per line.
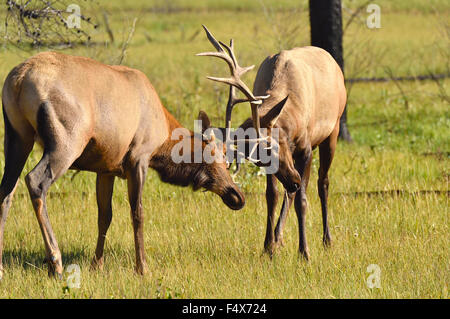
<point x="301" y="93"/>
<point x="100" y="118"/>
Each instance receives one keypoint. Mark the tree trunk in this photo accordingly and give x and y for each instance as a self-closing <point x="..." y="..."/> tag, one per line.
<point x="326" y="32"/>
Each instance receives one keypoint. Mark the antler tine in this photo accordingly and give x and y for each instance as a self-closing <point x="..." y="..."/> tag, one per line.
<point x="221" y="52"/>
<point x="239" y="70"/>
<point x="232" y="96"/>
<point x="232" y="101"/>
<point x="213" y="40"/>
<point x="234" y="81"/>
<point x="235" y="69"/>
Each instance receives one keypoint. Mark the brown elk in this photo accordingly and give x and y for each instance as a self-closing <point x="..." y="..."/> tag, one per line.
<point x="100" y="118"/>
<point x="300" y="92"/>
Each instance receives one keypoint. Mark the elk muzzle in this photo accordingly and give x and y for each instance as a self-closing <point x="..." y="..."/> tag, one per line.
<point x="291" y="181"/>
<point x="233" y="198"/>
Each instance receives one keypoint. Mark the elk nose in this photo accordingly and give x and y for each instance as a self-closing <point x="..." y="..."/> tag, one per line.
<point x="294" y="187"/>
<point x="233" y="198"/>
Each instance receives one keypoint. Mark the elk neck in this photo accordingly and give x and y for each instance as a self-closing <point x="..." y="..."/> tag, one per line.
<point x="181" y="174"/>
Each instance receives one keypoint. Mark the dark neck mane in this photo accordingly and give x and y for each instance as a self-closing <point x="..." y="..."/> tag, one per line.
<point x="181" y="174"/>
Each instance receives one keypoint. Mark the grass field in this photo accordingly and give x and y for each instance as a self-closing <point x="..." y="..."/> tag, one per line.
<point x="389" y="194"/>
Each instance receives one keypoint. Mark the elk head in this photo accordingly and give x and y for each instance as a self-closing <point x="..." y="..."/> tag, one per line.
<point x="286" y="171"/>
<point x="197" y="159"/>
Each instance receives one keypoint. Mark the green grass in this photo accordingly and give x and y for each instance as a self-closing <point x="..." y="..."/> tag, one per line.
<point x="198" y="248"/>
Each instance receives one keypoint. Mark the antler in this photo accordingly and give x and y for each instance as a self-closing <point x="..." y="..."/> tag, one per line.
<point x="234" y="81"/>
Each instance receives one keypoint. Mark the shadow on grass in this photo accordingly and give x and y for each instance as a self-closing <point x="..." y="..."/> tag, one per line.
<point x="382" y="193"/>
<point x="35" y="259"/>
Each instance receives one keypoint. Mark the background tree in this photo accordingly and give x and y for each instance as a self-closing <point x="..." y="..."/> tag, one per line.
<point x="326" y="32"/>
<point x="44" y="22"/>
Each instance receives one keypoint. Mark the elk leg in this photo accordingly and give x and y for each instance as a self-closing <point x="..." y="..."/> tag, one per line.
<point x="136" y="178"/>
<point x="287" y="202"/>
<point x="63" y="144"/>
<point x="16" y="154"/>
<point x="326" y="153"/>
<point x="303" y="165"/>
<point x="104" y="186"/>
<point x="272" y="200"/>
<point x="54" y="162"/>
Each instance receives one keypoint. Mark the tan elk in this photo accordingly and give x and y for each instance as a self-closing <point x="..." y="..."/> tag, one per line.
<point x="100" y="118"/>
<point x="301" y="93"/>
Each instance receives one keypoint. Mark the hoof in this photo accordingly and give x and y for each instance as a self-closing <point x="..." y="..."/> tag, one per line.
<point x="304" y="254"/>
<point x="54" y="274"/>
<point x="279" y="242"/>
<point x="1" y="272"/>
<point x="326" y="242"/>
<point x="142" y="270"/>
<point x="96" y="264"/>
<point x="270" y="249"/>
<point x="55" y="268"/>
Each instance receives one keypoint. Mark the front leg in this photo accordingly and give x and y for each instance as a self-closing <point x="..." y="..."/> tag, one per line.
<point x="104" y="186"/>
<point x="272" y="199"/>
<point x="136" y="178"/>
<point x="303" y="165"/>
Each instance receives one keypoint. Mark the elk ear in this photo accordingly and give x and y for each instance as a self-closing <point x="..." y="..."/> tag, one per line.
<point x="206" y="123"/>
<point x="271" y="117"/>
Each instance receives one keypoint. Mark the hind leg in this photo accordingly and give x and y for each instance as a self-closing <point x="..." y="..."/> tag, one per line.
<point x="16" y="151"/>
<point x="52" y="165"/>
<point x="326" y="152"/>
<point x="287" y="202"/>
<point x="303" y="166"/>
<point x="62" y="146"/>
